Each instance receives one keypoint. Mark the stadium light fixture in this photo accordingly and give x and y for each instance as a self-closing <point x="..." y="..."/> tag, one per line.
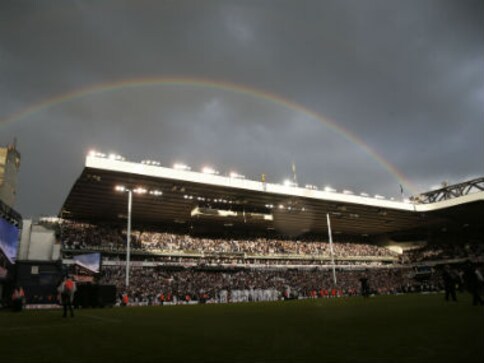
<point x="364" y="194"/>
<point x="289" y="183"/>
<point x="378" y="196"/>
<point x="151" y="162"/>
<point x="348" y="192"/>
<point x="138" y="190"/>
<point x="123" y="189"/>
<point x="209" y="170"/>
<point x="329" y="189"/>
<point x="113" y="156"/>
<point x="96" y="154"/>
<point x="236" y="175"/>
<point x="181" y="166"/>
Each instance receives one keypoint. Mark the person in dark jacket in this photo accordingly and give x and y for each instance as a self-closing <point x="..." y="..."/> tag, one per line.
<point x="449" y="283"/>
<point x="18" y="298"/>
<point x="473" y="280"/>
<point x="365" y="286"/>
<point x="67" y="289"/>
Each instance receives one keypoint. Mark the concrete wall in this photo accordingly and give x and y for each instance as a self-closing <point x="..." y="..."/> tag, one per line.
<point x="37" y="243"/>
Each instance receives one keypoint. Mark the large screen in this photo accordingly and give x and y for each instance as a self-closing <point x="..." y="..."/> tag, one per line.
<point x="91" y="261"/>
<point x="9" y="239"/>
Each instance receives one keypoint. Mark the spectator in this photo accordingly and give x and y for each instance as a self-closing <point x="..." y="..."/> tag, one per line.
<point x="67" y="289"/>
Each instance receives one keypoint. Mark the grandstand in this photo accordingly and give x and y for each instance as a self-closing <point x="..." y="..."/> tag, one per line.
<point x="187" y="224"/>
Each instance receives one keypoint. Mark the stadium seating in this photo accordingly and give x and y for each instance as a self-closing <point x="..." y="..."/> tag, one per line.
<point x="249" y="268"/>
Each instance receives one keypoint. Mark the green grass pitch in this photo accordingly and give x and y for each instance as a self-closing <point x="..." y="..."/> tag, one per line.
<point x="407" y="328"/>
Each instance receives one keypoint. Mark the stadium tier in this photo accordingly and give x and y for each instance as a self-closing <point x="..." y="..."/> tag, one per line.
<point x="177" y="197"/>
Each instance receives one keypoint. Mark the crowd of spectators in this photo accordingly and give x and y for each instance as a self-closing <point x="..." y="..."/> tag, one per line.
<point x="147" y="284"/>
<point x="189" y="267"/>
<point x="84" y="236"/>
<point x="444" y="251"/>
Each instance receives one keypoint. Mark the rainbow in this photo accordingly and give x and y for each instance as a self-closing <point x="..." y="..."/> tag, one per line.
<point x="207" y="83"/>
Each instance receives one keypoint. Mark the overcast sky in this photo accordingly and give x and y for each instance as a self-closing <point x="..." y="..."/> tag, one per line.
<point x="405" y="77"/>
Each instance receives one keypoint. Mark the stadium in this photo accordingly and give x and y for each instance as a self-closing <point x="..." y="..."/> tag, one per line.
<point x="146" y="240"/>
<point x="242" y="181"/>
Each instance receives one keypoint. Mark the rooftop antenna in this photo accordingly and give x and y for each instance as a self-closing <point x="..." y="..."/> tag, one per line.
<point x="294" y="176"/>
<point x="402" y="193"/>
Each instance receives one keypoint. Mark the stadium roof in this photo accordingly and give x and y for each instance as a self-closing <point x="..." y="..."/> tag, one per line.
<point x="171" y="196"/>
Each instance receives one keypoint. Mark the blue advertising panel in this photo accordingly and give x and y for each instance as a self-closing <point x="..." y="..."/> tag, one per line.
<point x="9" y="235"/>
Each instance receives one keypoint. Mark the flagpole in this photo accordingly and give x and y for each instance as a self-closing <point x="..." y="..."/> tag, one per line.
<point x="331" y="247"/>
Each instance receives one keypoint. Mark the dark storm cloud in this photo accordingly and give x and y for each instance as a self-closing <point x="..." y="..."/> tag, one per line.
<point x="406" y="77"/>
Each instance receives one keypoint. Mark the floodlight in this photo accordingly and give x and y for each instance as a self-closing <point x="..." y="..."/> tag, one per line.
<point x="236" y="175"/>
<point x="289" y="183"/>
<point x="209" y="170"/>
<point x="180" y="166"/>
